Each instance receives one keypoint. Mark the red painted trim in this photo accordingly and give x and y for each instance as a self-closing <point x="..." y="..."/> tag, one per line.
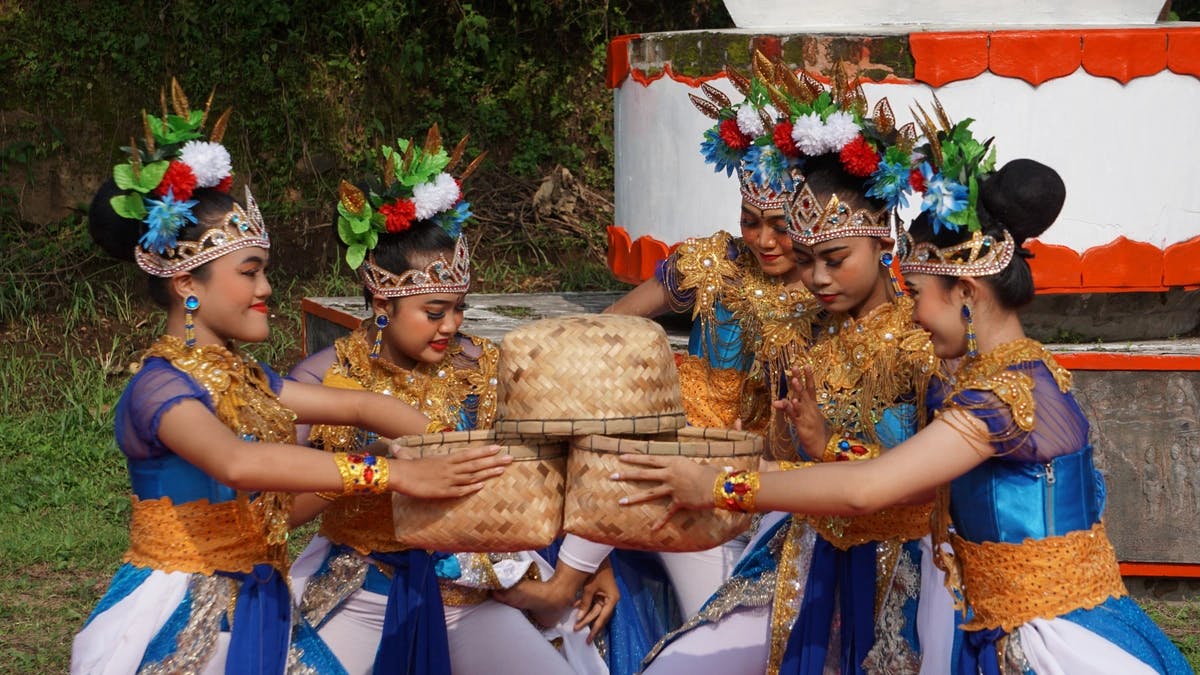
<point x="1123" y="262"/>
<point x="1125" y="361"/>
<point x="1124" y="54"/>
<point x="1031" y="55"/>
<point x="1181" y="263"/>
<point x="1183" y="51"/>
<point x="617" y="68"/>
<point x="941" y="58"/>
<point x="1121" y="266"/>
<point x="330" y="314"/>
<point x="1035" y="56"/>
<point x="1139" y="569"/>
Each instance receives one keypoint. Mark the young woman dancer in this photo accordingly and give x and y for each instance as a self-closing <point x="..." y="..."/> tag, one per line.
<point x="848" y="588"/>
<point x="354" y="576"/>
<point x="208" y="431"/>
<point x="1006" y="449"/>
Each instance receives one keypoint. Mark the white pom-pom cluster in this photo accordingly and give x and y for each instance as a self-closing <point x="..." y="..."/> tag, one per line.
<point x="436" y="196"/>
<point x="209" y="162"/>
<point x="749" y="122"/>
<point x="816" y="137"/>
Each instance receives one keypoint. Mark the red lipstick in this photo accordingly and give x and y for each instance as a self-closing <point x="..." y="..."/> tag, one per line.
<point x="259" y="307"/>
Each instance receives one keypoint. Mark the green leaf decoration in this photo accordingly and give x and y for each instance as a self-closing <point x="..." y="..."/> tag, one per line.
<point x="123" y="175"/>
<point x="129" y="206"/>
<point x="152" y="175"/>
<point x="355" y="255"/>
<point x="379" y="221"/>
<point x="359" y="225"/>
<point x="345" y="233"/>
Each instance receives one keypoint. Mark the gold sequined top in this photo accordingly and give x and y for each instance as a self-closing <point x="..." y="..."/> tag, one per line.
<point x="443" y="392"/>
<point x="243" y="400"/>
<point x="863" y="367"/>
<point x="773" y="320"/>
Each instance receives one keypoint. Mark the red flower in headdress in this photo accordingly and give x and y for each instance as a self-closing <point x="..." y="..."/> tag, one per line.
<point x="179" y="179"/>
<point x="916" y="180"/>
<point x="225" y="184"/>
<point x="782" y="135"/>
<point x="859" y="158"/>
<point x="400" y="214"/>
<point x="733" y="136"/>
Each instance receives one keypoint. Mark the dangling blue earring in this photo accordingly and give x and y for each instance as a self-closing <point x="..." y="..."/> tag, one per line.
<point x="972" y="346"/>
<point x="886" y="260"/>
<point x="381" y="322"/>
<point x="190" y="304"/>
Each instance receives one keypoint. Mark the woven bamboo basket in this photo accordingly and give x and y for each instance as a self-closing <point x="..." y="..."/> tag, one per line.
<point x="592" y="511"/>
<point x="520" y="510"/>
<point x="588" y="374"/>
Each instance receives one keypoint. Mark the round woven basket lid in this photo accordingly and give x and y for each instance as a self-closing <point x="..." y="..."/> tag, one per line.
<point x="588" y="374"/>
<point x="699" y="442"/>
<point x="520" y="448"/>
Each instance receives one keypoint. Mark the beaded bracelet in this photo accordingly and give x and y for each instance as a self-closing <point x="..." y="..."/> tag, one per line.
<point x="362" y="474"/>
<point x="735" y="490"/>
<point x="843" y="448"/>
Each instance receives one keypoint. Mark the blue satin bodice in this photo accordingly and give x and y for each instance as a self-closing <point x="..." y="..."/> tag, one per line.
<point x="720" y="343"/>
<point x="173" y="476"/>
<point x="1009" y="501"/>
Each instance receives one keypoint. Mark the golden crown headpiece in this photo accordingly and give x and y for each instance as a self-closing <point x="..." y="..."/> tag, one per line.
<point x="762" y="196"/>
<point x="980" y="256"/>
<point x="810" y="222"/>
<point x="439" y="276"/>
<point x="241" y="228"/>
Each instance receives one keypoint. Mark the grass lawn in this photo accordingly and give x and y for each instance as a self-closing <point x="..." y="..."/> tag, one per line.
<point x="63" y="486"/>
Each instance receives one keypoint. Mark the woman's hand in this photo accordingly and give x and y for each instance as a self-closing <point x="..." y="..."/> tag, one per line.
<point x="688" y="484"/>
<point x="598" y="602"/>
<point x="805" y="416"/>
<point x="545" y="600"/>
<point x="456" y="474"/>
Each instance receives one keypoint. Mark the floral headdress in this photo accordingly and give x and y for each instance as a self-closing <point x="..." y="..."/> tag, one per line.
<point x="416" y="186"/>
<point x="160" y="177"/>
<point x="816" y="120"/>
<point x="730" y="145"/>
<point x="955" y="165"/>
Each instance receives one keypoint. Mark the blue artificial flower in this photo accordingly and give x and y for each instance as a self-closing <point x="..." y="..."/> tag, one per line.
<point x="943" y="198"/>
<point x="718" y="153"/>
<point x="771" y="168"/>
<point x="452" y="220"/>
<point x="890" y="183"/>
<point x="166" y="217"/>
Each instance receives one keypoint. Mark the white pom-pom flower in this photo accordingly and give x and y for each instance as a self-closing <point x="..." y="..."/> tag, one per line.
<point x="210" y="162"/>
<point x="749" y="122"/>
<point x="435" y="196"/>
<point x="840" y="129"/>
<point x="808" y="133"/>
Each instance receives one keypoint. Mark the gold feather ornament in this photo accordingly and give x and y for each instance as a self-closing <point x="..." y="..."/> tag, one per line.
<point x="218" y="131"/>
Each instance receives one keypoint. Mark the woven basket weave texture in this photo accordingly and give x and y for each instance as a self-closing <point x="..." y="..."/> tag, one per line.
<point x="592" y="510"/>
<point x="520" y="510"/>
<point x="587" y="374"/>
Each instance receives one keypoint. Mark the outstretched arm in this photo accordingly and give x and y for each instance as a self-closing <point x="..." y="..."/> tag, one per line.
<point x="192" y="431"/>
<point x="648" y="299"/>
<point x="386" y="415"/>
<point x="936" y="455"/>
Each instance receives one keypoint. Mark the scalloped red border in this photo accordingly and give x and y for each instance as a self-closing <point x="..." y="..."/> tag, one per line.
<point x="1031" y="55"/>
<point x="1122" y="265"/>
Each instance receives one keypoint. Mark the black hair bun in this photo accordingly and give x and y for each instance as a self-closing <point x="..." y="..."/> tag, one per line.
<point x="1023" y="197"/>
<point x="116" y="235"/>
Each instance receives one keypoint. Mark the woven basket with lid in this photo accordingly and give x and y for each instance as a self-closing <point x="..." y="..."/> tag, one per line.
<point x="588" y="374"/>
<point x="520" y="510"/>
<point x="592" y="510"/>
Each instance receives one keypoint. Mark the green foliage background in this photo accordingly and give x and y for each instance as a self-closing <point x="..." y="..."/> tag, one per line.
<point x="316" y="84"/>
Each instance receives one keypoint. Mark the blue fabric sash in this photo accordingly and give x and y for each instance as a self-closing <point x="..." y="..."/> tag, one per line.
<point x="645" y="612"/>
<point x="414" y="627"/>
<point x="847" y="577"/>
<point x="978" y="655"/>
<point x="262" y="623"/>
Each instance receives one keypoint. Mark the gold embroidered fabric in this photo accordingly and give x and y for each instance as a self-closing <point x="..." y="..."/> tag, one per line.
<point x="713" y="397"/>
<point x="200" y="537"/>
<point x="862" y="367"/>
<point x="1007" y="585"/>
<point x="776" y="321"/>
<point x="900" y="523"/>
<point x="992" y="372"/>
<point x="243" y="401"/>
<point x="364" y="523"/>
<point x="703" y="265"/>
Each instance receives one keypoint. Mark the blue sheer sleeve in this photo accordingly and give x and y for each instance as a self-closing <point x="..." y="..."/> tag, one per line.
<point x="154" y="390"/>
